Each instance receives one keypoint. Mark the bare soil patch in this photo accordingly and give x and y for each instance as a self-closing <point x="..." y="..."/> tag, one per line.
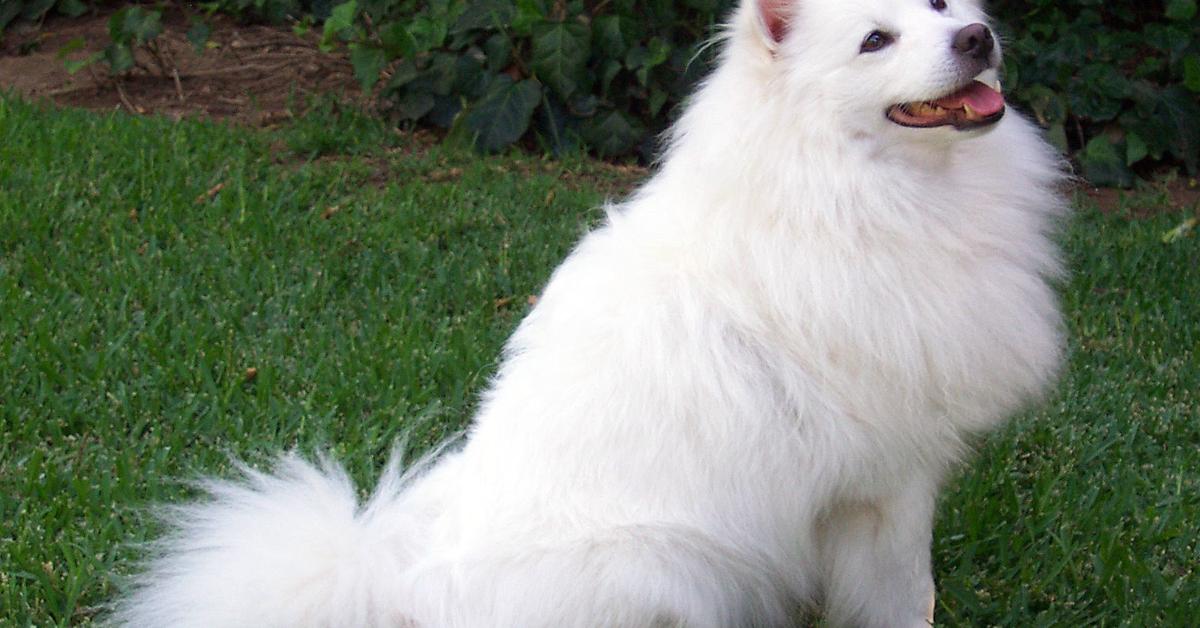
<point x="253" y="74"/>
<point x="1151" y="198"/>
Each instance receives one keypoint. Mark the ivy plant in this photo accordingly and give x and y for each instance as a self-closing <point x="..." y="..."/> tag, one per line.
<point x="562" y="73"/>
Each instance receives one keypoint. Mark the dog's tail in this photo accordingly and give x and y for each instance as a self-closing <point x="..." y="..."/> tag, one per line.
<point x="295" y="548"/>
<point x="292" y="548"/>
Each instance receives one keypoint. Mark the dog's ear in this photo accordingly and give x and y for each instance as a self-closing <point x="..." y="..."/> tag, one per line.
<point x="773" y="14"/>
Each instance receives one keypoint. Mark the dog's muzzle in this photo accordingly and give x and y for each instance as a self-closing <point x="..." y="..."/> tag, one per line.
<point x="972" y="105"/>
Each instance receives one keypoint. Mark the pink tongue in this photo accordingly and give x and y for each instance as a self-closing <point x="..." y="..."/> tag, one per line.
<point x="982" y="99"/>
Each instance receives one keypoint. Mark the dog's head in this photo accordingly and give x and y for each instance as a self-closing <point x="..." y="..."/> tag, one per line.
<point x="917" y="68"/>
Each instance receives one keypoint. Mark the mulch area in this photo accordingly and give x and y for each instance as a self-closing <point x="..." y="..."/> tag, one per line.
<point x="1175" y="194"/>
<point x="256" y="74"/>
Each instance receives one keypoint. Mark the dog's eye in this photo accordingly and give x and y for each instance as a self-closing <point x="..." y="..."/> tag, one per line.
<point x="877" y="40"/>
<point x="938" y="5"/>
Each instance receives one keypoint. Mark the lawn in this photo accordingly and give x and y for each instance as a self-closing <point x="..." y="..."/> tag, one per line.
<point x="178" y="294"/>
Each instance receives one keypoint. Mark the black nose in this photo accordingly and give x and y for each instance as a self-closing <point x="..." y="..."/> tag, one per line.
<point x="974" y="41"/>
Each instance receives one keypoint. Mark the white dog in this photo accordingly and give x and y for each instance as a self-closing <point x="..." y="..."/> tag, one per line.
<point x="735" y="402"/>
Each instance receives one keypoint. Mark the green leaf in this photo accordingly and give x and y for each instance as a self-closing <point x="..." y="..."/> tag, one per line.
<point x="340" y="18"/>
<point x="1097" y="92"/>
<point x="584" y="105"/>
<point x="498" y="50"/>
<point x="1010" y="75"/>
<point x="198" y="35"/>
<point x="1135" y="149"/>
<point x="554" y="127"/>
<point x="413" y="105"/>
<point x="612" y="133"/>
<point x="1046" y="105"/>
<point x="1103" y="164"/>
<point x="116" y="25"/>
<point x="485" y="15"/>
<point x="150" y="27"/>
<point x="1182" y="110"/>
<point x="73" y="8"/>
<point x="445" y="111"/>
<point x="1191" y="72"/>
<point x="529" y="13"/>
<point x="73" y="46"/>
<point x="397" y="41"/>
<point x="608" y="72"/>
<point x="368" y="62"/>
<point x="8" y="12"/>
<point x="1057" y="136"/>
<point x="1169" y="38"/>
<point x="134" y="25"/>
<point x="560" y="54"/>
<point x="119" y="57"/>
<point x="658" y="98"/>
<point x="34" y="9"/>
<point x="1180" y="10"/>
<point x="471" y="79"/>
<point x="74" y="65"/>
<point x="704" y="6"/>
<point x="427" y="32"/>
<point x="660" y="51"/>
<point x="502" y="116"/>
<point x="403" y="73"/>
<point x="644" y="59"/>
<point x="440" y="76"/>
<point x="609" y="35"/>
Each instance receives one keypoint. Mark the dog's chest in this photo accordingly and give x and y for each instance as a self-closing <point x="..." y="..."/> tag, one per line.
<point x="914" y="327"/>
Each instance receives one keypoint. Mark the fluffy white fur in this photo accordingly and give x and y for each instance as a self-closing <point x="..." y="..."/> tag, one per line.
<point x="734" y="402"/>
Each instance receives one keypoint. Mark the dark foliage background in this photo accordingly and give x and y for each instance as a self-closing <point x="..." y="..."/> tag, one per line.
<point x="1115" y="84"/>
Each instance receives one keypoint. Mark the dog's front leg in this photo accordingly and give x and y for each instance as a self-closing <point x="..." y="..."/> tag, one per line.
<point x="875" y="560"/>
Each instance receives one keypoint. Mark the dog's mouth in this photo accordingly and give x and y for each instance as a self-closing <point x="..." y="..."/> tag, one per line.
<point x="973" y="106"/>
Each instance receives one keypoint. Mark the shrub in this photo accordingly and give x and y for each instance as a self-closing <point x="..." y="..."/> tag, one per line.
<point x="602" y="74"/>
<point x="1117" y="84"/>
<point x="33" y="10"/>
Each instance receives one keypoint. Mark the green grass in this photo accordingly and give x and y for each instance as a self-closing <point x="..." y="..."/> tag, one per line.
<point x="1088" y="511"/>
<point x="132" y="312"/>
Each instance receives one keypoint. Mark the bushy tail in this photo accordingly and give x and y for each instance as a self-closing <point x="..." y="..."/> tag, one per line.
<point x="292" y="548"/>
<point x="295" y="548"/>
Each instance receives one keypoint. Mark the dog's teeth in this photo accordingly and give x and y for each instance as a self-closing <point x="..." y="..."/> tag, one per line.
<point x="926" y="109"/>
<point x="970" y="112"/>
<point x="991" y="78"/>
